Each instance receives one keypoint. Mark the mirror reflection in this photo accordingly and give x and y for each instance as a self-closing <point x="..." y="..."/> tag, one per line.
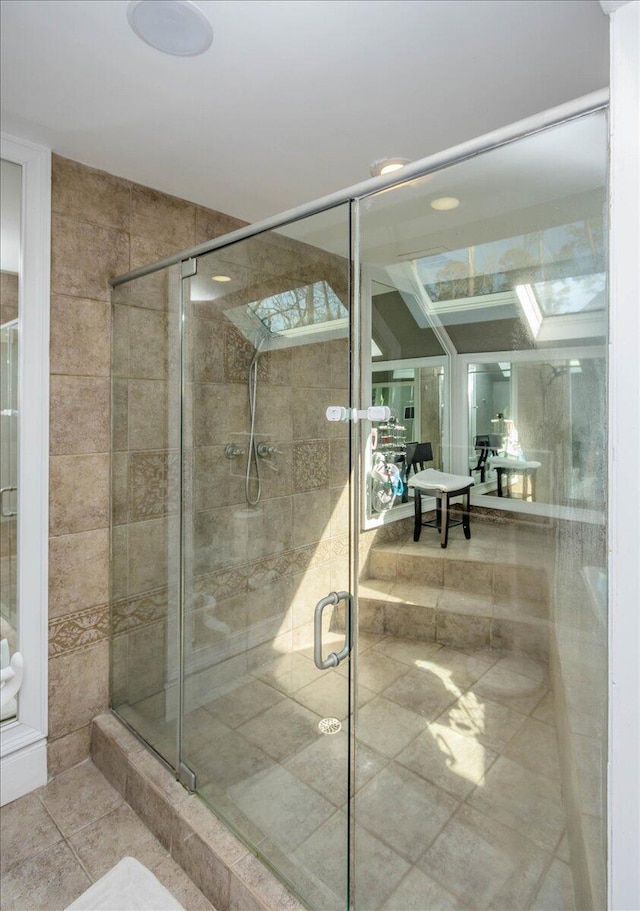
<point x="531" y="429"/>
<point x="412" y="437"/>
<point x="506" y="285"/>
<point x="11" y="206"/>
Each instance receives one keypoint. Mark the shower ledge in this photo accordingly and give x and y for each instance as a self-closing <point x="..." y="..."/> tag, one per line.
<point x="228" y="874"/>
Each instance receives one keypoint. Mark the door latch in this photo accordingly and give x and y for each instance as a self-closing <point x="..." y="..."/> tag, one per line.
<point x="337" y="413"/>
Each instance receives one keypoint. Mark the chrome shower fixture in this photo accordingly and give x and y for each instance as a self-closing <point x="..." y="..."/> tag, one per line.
<point x="266" y="449"/>
<point x="231" y="451"/>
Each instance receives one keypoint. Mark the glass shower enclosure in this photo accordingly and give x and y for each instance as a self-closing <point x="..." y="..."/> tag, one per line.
<point x="385" y="723"/>
<point x="231" y="522"/>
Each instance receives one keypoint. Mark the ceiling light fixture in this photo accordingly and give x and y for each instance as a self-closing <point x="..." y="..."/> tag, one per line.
<point x="444" y="203"/>
<point x="175" y="27"/>
<point x="387" y="166"/>
<point x="221" y="278"/>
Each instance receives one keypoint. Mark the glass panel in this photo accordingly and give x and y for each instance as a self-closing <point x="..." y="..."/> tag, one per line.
<point x="415" y="396"/>
<point x="531" y="433"/>
<point x="145" y="504"/>
<point x="266" y="536"/>
<point x="482" y="668"/>
<point x="400" y="327"/>
<point x="10" y="234"/>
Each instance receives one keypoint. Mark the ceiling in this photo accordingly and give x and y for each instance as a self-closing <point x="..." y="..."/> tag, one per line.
<point x="295" y="98"/>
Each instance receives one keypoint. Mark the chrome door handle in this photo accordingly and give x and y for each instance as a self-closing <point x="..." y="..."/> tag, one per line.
<point x="334" y="659"/>
<point x="6" y="515"/>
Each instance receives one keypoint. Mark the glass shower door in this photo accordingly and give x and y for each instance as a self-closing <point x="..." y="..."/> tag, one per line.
<point x="266" y="547"/>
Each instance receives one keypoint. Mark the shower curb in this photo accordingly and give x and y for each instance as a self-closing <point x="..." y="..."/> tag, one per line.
<point x="223" y="868"/>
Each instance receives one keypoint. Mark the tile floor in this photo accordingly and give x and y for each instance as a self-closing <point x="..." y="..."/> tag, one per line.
<point x="458" y="798"/>
<point x="458" y="801"/>
<point x="58" y="840"/>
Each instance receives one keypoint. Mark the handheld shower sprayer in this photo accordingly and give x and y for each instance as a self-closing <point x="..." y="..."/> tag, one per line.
<point x="253" y="498"/>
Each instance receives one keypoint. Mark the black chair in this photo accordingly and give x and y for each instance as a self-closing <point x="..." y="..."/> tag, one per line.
<point x="481" y="446"/>
<point x="485" y="444"/>
<point x="417" y="454"/>
<point x="444" y="487"/>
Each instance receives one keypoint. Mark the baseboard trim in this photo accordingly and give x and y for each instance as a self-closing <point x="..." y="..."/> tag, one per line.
<point x="23" y="771"/>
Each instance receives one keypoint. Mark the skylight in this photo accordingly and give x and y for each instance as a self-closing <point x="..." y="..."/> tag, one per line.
<point x="571" y="295"/>
<point x="297" y="308"/>
<point x="499" y="265"/>
<point x="295" y="316"/>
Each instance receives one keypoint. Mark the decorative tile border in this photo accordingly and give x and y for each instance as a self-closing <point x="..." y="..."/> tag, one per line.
<point x="223" y="584"/>
<point x="141" y="611"/>
<point x="67" y="634"/>
<point x="340" y="547"/>
<point x="131" y="613"/>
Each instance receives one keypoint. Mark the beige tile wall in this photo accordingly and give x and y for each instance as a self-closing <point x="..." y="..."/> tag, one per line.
<point x="101" y="226"/>
<point x="266" y="573"/>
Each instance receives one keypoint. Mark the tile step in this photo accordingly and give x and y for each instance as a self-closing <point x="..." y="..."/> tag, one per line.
<point x="450" y="617"/>
<point x="472" y="571"/>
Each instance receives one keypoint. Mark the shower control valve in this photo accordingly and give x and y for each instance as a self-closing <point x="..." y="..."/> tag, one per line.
<point x="231" y="451"/>
<point x="265" y="449"/>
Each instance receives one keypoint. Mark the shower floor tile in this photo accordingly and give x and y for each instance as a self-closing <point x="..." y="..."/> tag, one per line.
<point x="323" y="766"/>
<point x="484" y="863"/>
<point x="403" y="810"/>
<point x="388" y="727"/>
<point x="448" y="759"/>
<point x="523" y="800"/>
<point x="457" y="804"/>
<point x="376" y="671"/>
<point x="486" y="722"/>
<point x="229" y="761"/>
<point x="328" y="696"/>
<point x="556" y="890"/>
<point x="282" y="730"/>
<point x="284" y="808"/>
<point x="379" y="870"/>
<point x="516" y="691"/>
<point x="535" y="747"/>
<point x="424" y="694"/>
<point x="244" y="703"/>
<point x="417" y="892"/>
<point x="288" y="673"/>
<point x="458" y="670"/>
<point x="408" y="651"/>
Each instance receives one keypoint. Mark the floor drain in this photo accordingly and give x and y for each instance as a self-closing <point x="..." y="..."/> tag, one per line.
<point x="329" y="726"/>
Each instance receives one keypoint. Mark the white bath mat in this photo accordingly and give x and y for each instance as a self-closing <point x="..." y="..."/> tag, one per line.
<point x="129" y="886"/>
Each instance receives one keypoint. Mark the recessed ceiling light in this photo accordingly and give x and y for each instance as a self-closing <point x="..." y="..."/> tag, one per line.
<point x="172" y="26"/>
<point x="387" y="166"/>
<point x="221" y="278"/>
<point x="444" y="203"/>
